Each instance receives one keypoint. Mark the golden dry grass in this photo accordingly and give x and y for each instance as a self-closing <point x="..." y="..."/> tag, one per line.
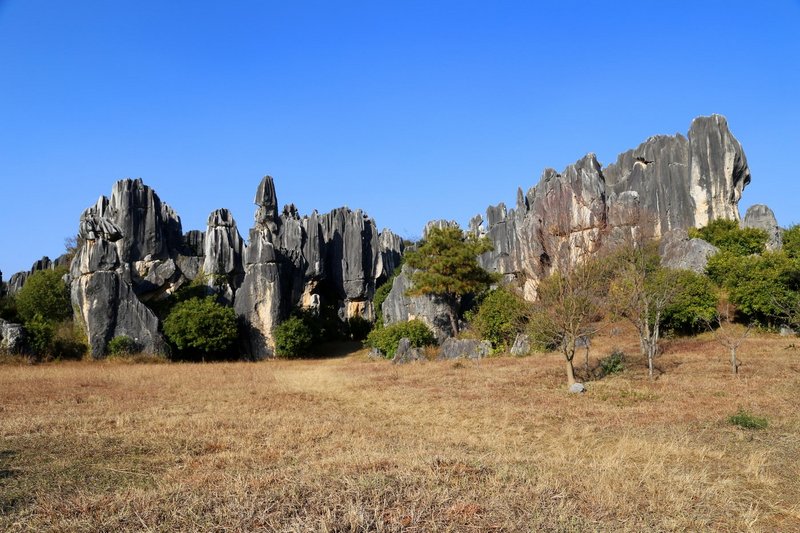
<point x="351" y="444"/>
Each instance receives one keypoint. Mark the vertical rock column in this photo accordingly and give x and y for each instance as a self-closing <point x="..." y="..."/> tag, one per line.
<point x="258" y="299"/>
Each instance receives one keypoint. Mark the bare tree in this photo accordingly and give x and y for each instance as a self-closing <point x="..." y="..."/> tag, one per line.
<point x="729" y="334"/>
<point x="640" y="292"/>
<point x="569" y="308"/>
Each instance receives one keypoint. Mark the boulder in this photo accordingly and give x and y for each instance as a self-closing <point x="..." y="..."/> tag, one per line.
<point x="761" y="217"/>
<point x="12" y="337"/>
<point x="679" y="251"/>
<point x="464" y="349"/>
<point x="522" y="345"/>
<point x="577" y="388"/>
<point x="407" y="353"/>
<point x="400" y="307"/>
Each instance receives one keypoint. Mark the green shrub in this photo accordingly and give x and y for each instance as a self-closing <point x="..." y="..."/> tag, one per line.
<point x="8" y="309"/>
<point x="40" y="334"/>
<point x="695" y="305"/>
<point x="294" y="337"/>
<point x="614" y="363"/>
<point x="746" y="420"/>
<point x="122" y="346"/>
<point x="201" y="325"/>
<point x="728" y="236"/>
<point x="385" y="339"/>
<point x="500" y="317"/>
<point x="44" y="294"/>
<point x="358" y="328"/>
<point x="791" y="241"/>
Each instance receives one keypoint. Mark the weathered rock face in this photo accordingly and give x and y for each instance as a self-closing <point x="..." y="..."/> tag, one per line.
<point x="223" y="263"/>
<point x="406" y="353"/>
<point x="761" y="217"/>
<point x="329" y="260"/>
<point x="105" y="302"/>
<point x="679" y="251"/>
<point x="18" y="280"/>
<point x="11" y="337"/>
<point x="399" y="307"/>
<point x="464" y="349"/>
<point x="666" y="183"/>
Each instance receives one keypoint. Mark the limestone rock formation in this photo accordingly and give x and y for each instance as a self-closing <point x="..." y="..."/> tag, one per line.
<point x="679" y="251"/>
<point x="464" y="349"/>
<point x="760" y="216"/>
<point x="665" y="184"/>
<point x="406" y="353"/>
<point x="399" y="307"/>
<point x="223" y="262"/>
<point x="11" y="337"/>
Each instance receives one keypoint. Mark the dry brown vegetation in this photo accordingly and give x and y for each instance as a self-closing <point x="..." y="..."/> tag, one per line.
<point x="351" y="444"/>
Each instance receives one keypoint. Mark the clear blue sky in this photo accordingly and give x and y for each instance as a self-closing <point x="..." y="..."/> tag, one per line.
<point x="410" y="110"/>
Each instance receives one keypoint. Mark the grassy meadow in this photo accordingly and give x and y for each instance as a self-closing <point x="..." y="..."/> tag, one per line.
<point x="354" y="444"/>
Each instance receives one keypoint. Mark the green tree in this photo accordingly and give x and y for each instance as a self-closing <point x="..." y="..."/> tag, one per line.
<point x="694" y="305"/>
<point x="45" y="294"/>
<point x="791" y="241"/>
<point x="728" y="236"/>
<point x="201" y="325"/>
<point x="762" y="287"/>
<point x="446" y="264"/>
<point x="500" y="317"/>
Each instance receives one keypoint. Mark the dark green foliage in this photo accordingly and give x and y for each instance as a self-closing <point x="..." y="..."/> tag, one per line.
<point x="40" y="334"/>
<point x="294" y="337"/>
<point x="614" y="363"/>
<point x="387" y="338"/>
<point x="728" y="236"/>
<point x="201" y="327"/>
<point x="746" y="420"/>
<point x="791" y="241"/>
<point x="694" y="306"/>
<point x="8" y="309"/>
<point x="500" y="317"/>
<point x="69" y="342"/>
<point x="122" y="346"/>
<point x="446" y="265"/>
<point x="44" y="294"/>
<point x="762" y="287"/>
<point x="358" y="328"/>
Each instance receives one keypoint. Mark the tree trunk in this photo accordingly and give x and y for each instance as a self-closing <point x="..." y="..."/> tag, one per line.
<point x="734" y="363"/>
<point x="453" y="323"/>
<point x="586" y="362"/>
<point x="570" y="373"/>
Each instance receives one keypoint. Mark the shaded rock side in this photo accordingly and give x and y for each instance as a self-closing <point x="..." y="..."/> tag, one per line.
<point x="679" y="251"/>
<point x="464" y="349"/>
<point x="258" y="299"/>
<point x="406" y="353"/>
<point x="761" y="217"/>
<point x="12" y="337"/>
<point x="399" y="307"/>
<point x="105" y="303"/>
<point x="223" y="258"/>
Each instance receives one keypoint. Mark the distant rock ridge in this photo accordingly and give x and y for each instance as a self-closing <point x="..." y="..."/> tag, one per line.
<point x="133" y="251"/>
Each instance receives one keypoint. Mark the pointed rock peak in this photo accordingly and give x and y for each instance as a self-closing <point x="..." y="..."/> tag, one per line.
<point x="221" y="218"/>
<point x="267" y="202"/>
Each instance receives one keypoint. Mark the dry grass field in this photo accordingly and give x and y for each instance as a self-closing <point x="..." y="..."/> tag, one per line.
<point x="352" y="444"/>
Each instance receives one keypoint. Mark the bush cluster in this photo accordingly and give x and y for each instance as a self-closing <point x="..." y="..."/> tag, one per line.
<point x="385" y="339"/>
<point x="499" y="318"/>
<point x="201" y="328"/>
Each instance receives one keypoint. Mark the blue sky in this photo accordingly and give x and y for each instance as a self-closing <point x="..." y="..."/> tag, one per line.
<point x="410" y="110"/>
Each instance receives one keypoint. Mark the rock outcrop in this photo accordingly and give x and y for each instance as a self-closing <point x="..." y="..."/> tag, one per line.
<point x="400" y="307"/>
<point x="679" y="251"/>
<point x="332" y="260"/>
<point x="464" y="349"/>
<point x="11" y="337"/>
<point x="663" y="185"/>
<point x="761" y="217"/>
